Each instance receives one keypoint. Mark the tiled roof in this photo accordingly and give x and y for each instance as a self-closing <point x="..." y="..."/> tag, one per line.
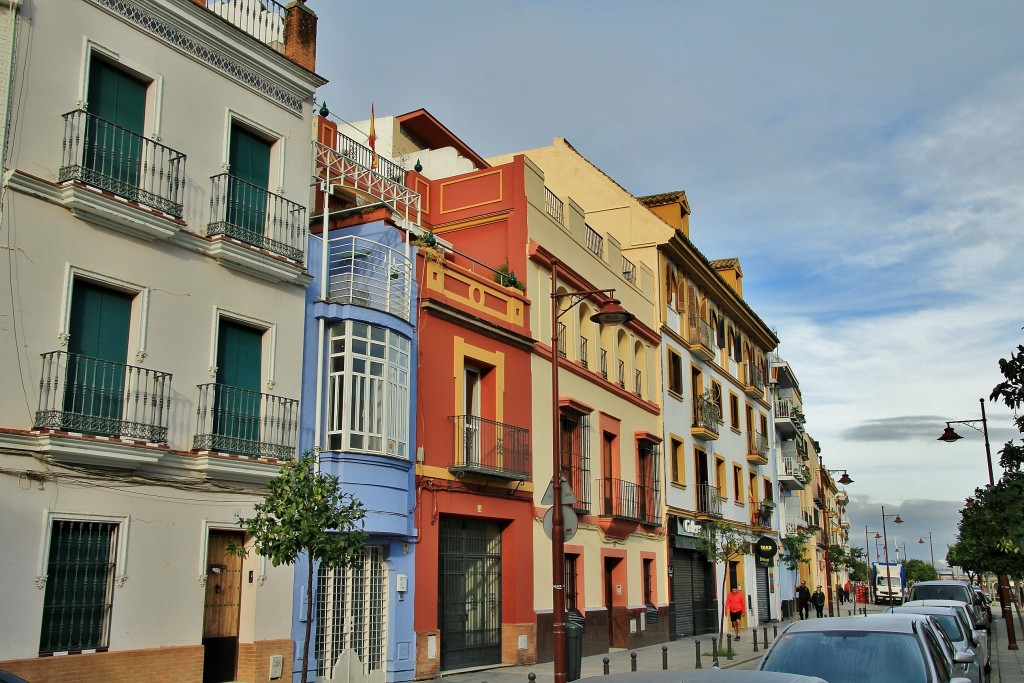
<point x="720" y="263"/>
<point x="662" y="198"/>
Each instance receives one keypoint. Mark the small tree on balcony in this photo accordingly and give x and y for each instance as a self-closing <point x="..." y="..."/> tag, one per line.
<point x="305" y="512"/>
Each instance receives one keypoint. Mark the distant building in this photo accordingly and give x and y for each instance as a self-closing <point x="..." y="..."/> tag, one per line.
<point x="154" y="221"/>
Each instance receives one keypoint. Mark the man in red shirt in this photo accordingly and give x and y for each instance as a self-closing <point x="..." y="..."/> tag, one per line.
<point x="736" y="603"/>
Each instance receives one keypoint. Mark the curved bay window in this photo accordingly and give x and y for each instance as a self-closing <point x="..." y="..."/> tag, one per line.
<point x="368" y="390"/>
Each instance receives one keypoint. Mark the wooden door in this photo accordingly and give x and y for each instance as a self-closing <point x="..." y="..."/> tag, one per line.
<point x="221" y="607"/>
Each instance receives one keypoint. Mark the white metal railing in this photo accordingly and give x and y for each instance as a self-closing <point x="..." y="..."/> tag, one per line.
<point x="366" y="273"/>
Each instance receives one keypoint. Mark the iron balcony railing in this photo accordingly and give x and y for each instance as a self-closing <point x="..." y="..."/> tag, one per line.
<point x="761" y="513"/>
<point x="753" y="376"/>
<point x="82" y="394"/>
<point x="369" y="274"/>
<point x="788" y="409"/>
<point x="489" y="447"/>
<point x="706" y="414"/>
<point x="364" y="156"/>
<point x="709" y="500"/>
<point x="793" y="466"/>
<point x="123" y="163"/>
<point x="263" y="20"/>
<point x="638" y="383"/>
<point x="256" y="216"/>
<point x="561" y="340"/>
<point x="630" y="501"/>
<point x="604" y="363"/>
<point x="628" y="270"/>
<point x="702" y="333"/>
<point x="578" y="477"/>
<point x="622" y="374"/>
<point x="553" y="206"/>
<point x="595" y="242"/>
<point x="246" y="422"/>
<point x="584" y="355"/>
<point x="757" y="444"/>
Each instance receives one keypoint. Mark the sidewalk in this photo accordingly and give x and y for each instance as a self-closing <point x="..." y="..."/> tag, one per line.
<point x="1007" y="665"/>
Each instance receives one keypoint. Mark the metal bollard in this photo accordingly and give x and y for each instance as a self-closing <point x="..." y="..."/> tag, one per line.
<point x="606" y="667"/>
<point x="766" y="637"/>
<point x="714" y="651"/>
<point x="696" y="644"/>
<point x="632" y="661"/>
<point x="532" y="677"/>
<point x="664" y="657"/>
<point x="775" y="632"/>
<point x="728" y="649"/>
<point x="755" y="638"/>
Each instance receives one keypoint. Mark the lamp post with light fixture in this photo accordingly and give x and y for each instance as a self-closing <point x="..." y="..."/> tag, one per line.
<point x="844" y="480"/>
<point x="867" y="560"/>
<point x="609" y="313"/>
<point x="931" y="548"/>
<point x="949" y="435"/>
<point x="885" y="547"/>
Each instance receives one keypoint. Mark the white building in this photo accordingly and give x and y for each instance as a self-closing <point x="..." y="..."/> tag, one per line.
<point x="154" y="230"/>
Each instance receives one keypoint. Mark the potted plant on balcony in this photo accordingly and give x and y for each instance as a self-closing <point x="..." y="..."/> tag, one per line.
<point x="507" y="278"/>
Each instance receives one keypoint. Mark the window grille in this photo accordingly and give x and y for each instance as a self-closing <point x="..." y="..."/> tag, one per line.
<point x="79" y="586"/>
<point x="575" y="428"/>
<point x="351" y="613"/>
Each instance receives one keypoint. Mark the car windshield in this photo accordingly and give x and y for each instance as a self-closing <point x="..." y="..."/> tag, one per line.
<point x="938" y="593"/>
<point x="849" y="657"/>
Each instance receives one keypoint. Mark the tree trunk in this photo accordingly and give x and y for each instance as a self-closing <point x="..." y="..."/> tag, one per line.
<point x="721" y="619"/>
<point x="309" y="618"/>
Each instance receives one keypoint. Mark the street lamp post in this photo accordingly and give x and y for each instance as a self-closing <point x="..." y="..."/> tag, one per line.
<point x="885" y="547"/>
<point x="949" y="436"/>
<point x="844" y="480"/>
<point x="867" y="560"/>
<point x="931" y="549"/>
<point x="610" y="313"/>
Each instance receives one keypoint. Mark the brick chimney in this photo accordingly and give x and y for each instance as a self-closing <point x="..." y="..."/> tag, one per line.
<point x="300" y="34"/>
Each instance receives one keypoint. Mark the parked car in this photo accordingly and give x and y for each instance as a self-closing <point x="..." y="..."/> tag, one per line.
<point x="702" y="676"/>
<point x="978" y="631"/>
<point x="947" y="590"/>
<point x="8" y="677"/>
<point x="954" y="626"/>
<point x="880" y="648"/>
<point x="985" y="602"/>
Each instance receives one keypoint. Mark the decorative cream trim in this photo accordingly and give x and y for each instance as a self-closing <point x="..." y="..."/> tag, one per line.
<point x="140" y="306"/>
<point x="120" y="560"/>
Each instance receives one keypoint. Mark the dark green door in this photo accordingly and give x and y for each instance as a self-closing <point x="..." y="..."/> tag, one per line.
<point x="237" y="416"/>
<point x="117" y="115"/>
<point x="249" y="159"/>
<point x="97" y="350"/>
<point x="469" y="605"/>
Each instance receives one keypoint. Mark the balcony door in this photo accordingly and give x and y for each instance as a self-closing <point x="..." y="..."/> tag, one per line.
<point x="471" y="443"/>
<point x="97" y="351"/>
<point x="239" y="362"/>
<point x="249" y="163"/>
<point x="117" y="115"/>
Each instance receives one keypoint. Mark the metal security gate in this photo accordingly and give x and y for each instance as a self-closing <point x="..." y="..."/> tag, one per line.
<point x="693" y="589"/>
<point x="763" y="608"/>
<point x="682" y="592"/>
<point x="470" y="595"/>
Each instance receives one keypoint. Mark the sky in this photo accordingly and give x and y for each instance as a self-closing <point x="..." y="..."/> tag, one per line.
<point x="864" y="161"/>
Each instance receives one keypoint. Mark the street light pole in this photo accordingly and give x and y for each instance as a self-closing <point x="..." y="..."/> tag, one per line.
<point x="931" y="549"/>
<point x="885" y="547"/>
<point x="949" y="436"/>
<point x="609" y="313"/>
<point x="845" y="479"/>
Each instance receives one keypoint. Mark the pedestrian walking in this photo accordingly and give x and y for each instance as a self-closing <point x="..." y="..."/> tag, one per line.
<point x="818" y="600"/>
<point x="803" y="600"/>
<point x="846" y="590"/>
<point x="736" y="604"/>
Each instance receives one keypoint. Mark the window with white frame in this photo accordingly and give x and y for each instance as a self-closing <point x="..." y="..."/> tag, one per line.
<point x="351" y="613"/>
<point x="368" y="390"/>
<point x="80" y="568"/>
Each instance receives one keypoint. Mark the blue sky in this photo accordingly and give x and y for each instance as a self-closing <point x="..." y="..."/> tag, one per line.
<point x="863" y="160"/>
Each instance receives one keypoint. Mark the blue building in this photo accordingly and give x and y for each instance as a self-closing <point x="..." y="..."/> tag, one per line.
<point x="358" y="410"/>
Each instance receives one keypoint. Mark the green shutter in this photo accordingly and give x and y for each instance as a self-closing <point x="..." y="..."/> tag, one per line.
<point x="239" y="363"/>
<point x="117" y="109"/>
<point x="98" y="349"/>
<point x="249" y="161"/>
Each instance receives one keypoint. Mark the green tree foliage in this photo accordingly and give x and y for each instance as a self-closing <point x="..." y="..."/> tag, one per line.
<point x="919" y="570"/>
<point x="722" y="543"/>
<point x="1011" y="393"/>
<point x="859" y="571"/>
<point x="305" y="512"/>
<point x="794" y="550"/>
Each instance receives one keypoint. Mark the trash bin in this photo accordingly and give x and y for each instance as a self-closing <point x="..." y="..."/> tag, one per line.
<point x="574" y="645"/>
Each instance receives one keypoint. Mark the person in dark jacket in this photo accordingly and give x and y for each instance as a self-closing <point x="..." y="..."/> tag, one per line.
<point x="803" y="600"/>
<point x="818" y="600"/>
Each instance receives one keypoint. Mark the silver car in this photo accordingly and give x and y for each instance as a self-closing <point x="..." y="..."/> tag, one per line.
<point x="956" y="632"/>
<point x="948" y="590"/>
<point x="977" y="629"/>
<point x="880" y="648"/>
